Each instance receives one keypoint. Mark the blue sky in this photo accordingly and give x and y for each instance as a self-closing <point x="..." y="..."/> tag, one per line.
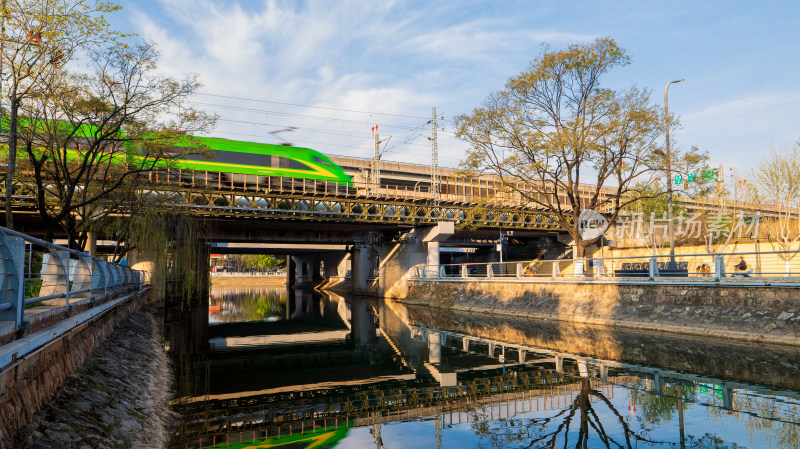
<point x="338" y="66"/>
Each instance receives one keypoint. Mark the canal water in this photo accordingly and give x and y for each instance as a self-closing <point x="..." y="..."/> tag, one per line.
<point x="298" y="369"/>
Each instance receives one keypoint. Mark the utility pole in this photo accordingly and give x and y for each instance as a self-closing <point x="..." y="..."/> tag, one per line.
<point x="669" y="177"/>
<point x="434" y="159"/>
<point x="376" y="170"/>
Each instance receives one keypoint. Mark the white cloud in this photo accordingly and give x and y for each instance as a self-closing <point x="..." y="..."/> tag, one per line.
<point x="738" y="131"/>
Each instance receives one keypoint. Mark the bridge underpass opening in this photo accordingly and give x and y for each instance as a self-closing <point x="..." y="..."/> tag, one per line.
<point x="300" y="263"/>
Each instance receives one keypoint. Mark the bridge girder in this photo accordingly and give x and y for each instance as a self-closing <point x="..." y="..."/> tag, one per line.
<point x="311" y="206"/>
<point x="349" y="209"/>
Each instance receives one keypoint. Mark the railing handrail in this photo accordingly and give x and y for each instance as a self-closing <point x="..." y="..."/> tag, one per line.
<point x="657" y="267"/>
<point x="67" y="274"/>
<point x="51" y="245"/>
<point x="657" y="256"/>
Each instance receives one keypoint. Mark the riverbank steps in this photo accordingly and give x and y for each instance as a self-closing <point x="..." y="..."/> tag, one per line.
<point x="117" y="399"/>
<point x="749" y="313"/>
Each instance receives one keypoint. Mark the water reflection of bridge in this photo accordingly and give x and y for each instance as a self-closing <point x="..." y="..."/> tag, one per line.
<point x="494" y="396"/>
<point x="492" y="380"/>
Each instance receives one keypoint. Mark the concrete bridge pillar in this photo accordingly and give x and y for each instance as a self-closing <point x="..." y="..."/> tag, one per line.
<point x="315" y="268"/>
<point x="291" y="271"/>
<point x="435" y="347"/>
<point x="336" y="265"/>
<point x="418" y="248"/>
<point x="300" y="269"/>
<point x="361" y="268"/>
<point x="91" y="243"/>
<point x="307" y="268"/>
<point x="147" y="264"/>
<point x="432" y="256"/>
<point x="335" y="270"/>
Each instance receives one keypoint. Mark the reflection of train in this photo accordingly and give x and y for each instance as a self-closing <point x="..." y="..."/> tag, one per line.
<point x="248" y="158"/>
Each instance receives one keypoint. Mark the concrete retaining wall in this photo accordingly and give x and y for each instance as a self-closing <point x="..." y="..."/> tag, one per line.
<point x="28" y="383"/>
<point x="748" y="313"/>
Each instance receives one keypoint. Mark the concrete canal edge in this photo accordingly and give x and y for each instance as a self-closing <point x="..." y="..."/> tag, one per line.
<point x="750" y="312"/>
<point x="29" y="383"/>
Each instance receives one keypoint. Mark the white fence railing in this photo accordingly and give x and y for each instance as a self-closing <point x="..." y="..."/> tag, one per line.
<point x="34" y="271"/>
<point x="690" y="267"/>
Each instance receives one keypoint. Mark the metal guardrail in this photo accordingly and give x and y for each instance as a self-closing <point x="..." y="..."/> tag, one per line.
<point x="774" y="265"/>
<point x="65" y="276"/>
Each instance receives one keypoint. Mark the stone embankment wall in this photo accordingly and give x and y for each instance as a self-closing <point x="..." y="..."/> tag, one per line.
<point x="31" y="382"/>
<point x="750" y="313"/>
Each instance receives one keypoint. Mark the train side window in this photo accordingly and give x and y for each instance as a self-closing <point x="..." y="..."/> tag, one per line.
<point x="235" y="157"/>
<point x="284" y="162"/>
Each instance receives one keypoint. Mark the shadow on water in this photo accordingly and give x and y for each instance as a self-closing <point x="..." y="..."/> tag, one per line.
<point x="307" y="369"/>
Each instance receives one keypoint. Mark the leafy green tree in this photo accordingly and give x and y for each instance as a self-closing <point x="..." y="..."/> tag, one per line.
<point x="80" y="133"/>
<point x="649" y="200"/>
<point x="262" y="262"/>
<point x="555" y="133"/>
<point x="37" y="39"/>
<point x="777" y="183"/>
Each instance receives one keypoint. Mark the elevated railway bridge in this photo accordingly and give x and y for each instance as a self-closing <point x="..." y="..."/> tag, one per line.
<point x="380" y="226"/>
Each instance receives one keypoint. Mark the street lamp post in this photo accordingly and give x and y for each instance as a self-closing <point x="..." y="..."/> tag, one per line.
<point x="500" y="247"/>
<point x="669" y="178"/>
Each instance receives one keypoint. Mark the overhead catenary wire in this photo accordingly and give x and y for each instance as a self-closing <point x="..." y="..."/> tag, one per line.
<point x="324" y="144"/>
<point x="341" y="122"/>
<point x="308" y="106"/>
<point x="354" y="134"/>
<point x="292" y="114"/>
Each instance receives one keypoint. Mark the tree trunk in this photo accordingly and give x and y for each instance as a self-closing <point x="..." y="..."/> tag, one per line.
<point x="585" y="408"/>
<point x="578" y="251"/>
<point x="12" y="161"/>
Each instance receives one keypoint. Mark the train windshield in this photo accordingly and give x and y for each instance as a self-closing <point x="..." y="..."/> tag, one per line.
<point x="322" y="161"/>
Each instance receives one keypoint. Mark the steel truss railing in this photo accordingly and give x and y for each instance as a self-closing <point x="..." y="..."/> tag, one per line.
<point x="304" y="199"/>
<point x="251" y="195"/>
<point x="67" y="276"/>
<point x="775" y="266"/>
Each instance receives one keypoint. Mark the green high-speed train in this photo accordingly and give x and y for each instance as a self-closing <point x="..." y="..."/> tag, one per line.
<point x="233" y="156"/>
<point x="227" y="157"/>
